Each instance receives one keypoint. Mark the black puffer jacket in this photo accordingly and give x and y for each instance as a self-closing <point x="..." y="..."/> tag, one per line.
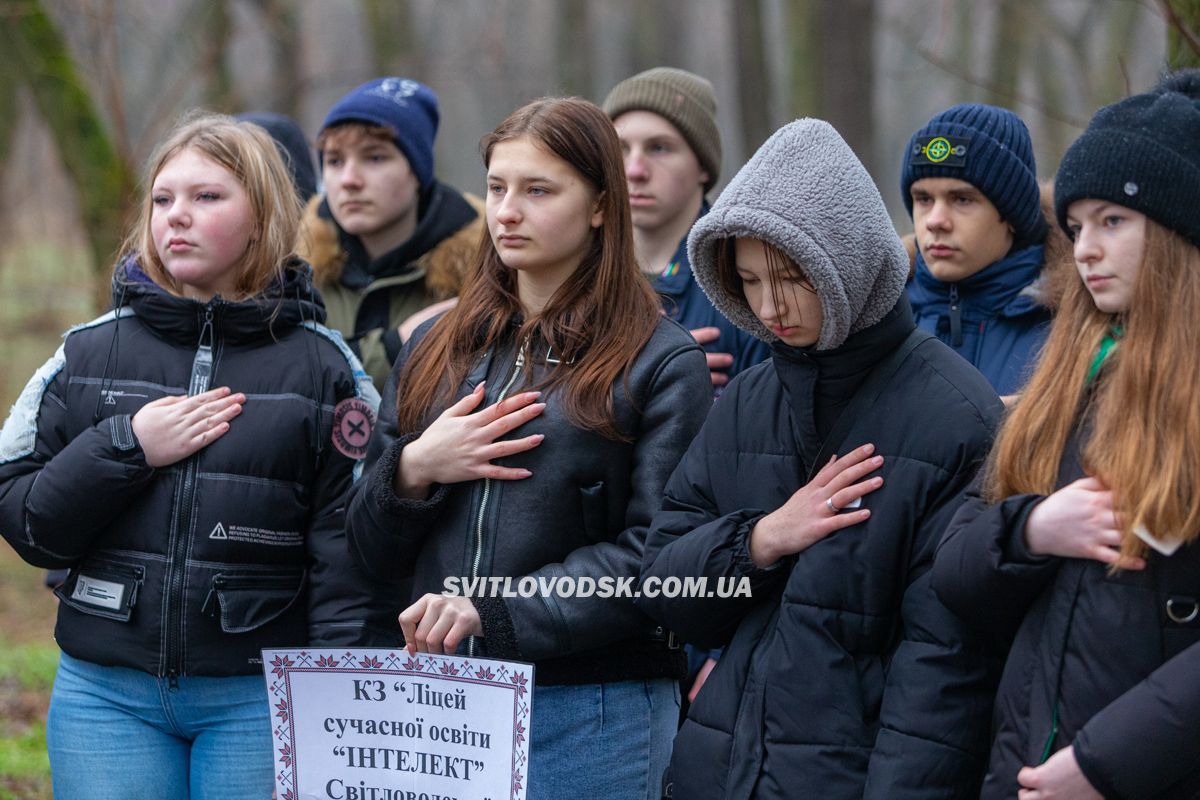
<point x="584" y="512"/>
<point x="190" y="569"/>
<point x="843" y="676"/>
<point x="1107" y="663"/>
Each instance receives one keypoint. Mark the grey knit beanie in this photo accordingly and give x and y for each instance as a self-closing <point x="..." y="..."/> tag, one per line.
<point x="808" y="195"/>
<point x="682" y="98"/>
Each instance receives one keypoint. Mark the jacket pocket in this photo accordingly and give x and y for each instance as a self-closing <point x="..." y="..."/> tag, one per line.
<point x="103" y="587"/>
<point x="595" y="513"/>
<point x="246" y="601"/>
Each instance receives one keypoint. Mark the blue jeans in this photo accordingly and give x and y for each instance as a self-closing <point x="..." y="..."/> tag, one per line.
<point x="115" y="732"/>
<point x="602" y="741"/>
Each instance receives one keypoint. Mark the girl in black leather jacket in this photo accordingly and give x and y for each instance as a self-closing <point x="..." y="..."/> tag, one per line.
<point x="527" y="434"/>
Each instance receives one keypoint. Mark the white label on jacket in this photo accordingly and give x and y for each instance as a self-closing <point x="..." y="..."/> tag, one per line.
<point x="1166" y="548"/>
<point x="96" y="592"/>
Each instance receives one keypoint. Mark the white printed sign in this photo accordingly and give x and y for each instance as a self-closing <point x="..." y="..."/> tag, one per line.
<point x="371" y="724"/>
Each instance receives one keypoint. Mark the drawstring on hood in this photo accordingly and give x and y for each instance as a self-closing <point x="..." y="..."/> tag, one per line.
<point x="806" y="193"/>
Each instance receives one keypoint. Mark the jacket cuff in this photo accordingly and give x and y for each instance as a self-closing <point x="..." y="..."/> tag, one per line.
<point x="391" y="503"/>
<point x="1094" y="776"/>
<point x="124" y="441"/>
<point x="743" y="564"/>
<point x="1016" y="551"/>
<point x="498" y="631"/>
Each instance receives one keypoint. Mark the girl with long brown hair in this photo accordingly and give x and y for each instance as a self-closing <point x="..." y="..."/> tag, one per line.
<point x="1082" y="535"/>
<point x="528" y="433"/>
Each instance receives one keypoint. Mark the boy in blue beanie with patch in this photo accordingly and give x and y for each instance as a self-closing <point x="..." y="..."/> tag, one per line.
<point x="386" y="240"/>
<point x="970" y="183"/>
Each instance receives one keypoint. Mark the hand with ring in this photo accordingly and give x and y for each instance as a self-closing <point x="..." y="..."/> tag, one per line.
<point x="817" y="509"/>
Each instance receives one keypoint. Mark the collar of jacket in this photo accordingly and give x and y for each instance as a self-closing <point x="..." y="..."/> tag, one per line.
<point x="285" y="304"/>
<point x="1006" y="288"/>
<point x="441" y="212"/>
<point x="675" y="279"/>
<point x="819" y="383"/>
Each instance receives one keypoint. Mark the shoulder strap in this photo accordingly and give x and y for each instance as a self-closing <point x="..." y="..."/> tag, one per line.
<point x="876" y="381"/>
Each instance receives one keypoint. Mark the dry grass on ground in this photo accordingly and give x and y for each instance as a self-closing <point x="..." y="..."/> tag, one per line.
<point x="28" y="657"/>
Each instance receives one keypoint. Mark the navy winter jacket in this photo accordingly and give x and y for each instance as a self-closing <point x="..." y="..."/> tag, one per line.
<point x="994" y="319"/>
<point x="192" y="568"/>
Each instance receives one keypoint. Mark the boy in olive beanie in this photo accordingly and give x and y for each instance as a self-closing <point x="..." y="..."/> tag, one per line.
<point x="969" y="180"/>
<point x="666" y="119"/>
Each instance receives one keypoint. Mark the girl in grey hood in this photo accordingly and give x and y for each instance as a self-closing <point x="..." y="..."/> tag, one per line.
<point x="820" y="478"/>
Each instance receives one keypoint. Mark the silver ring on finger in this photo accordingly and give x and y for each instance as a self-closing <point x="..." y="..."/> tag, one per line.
<point x="832" y="507"/>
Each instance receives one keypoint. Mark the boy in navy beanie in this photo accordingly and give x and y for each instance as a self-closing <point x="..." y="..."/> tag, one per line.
<point x="386" y="240"/>
<point x="969" y="181"/>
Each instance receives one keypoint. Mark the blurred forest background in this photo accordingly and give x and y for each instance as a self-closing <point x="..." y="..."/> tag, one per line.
<point x="88" y="86"/>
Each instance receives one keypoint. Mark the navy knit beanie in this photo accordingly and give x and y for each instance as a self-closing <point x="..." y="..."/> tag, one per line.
<point x="1142" y="153"/>
<point x="408" y="108"/>
<point x="989" y="148"/>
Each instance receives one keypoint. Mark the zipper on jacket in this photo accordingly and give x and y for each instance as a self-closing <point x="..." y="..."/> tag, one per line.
<point x="956" y="337"/>
<point x="518" y="365"/>
<point x="202" y="367"/>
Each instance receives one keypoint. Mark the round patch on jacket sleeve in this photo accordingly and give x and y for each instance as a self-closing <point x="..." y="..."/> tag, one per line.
<point x="353" y="420"/>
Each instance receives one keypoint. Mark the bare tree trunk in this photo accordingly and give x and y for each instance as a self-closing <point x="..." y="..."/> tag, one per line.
<point x="1008" y="45"/>
<point x="754" y="96"/>
<point x="805" y="82"/>
<point x="36" y="55"/>
<point x="222" y="93"/>
<point x="575" y="48"/>
<point x="847" y="80"/>
<point x="390" y="26"/>
<point x="282" y="20"/>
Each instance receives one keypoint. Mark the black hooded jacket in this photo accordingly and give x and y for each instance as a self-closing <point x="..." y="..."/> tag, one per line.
<point x="192" y="568"/>
<point x="1106" y="663"/>
<point x="843" y="676"/>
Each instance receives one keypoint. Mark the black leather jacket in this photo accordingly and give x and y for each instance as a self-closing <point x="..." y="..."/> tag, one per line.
<point x="190" y="569"/>
<point x="584" y="512"/>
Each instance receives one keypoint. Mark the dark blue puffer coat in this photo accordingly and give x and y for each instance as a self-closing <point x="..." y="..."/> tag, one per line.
<point x="994" y="319"/>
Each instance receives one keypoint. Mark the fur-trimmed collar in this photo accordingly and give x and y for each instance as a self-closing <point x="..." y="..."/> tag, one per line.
<point x="445" y="263"/>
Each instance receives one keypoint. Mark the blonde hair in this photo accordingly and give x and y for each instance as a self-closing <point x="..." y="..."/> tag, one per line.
<point x="249" y="153"/>
<point x="1145" y="441"/>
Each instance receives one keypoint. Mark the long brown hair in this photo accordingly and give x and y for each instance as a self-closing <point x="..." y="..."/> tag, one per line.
<point x="247" y="151"/>
<point x="595" y="324"/>
<point x="1145" y="443"/>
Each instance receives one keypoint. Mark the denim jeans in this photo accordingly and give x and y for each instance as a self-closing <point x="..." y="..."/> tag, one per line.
<point x="602" y="741"/>
<point x="122" y="733"/>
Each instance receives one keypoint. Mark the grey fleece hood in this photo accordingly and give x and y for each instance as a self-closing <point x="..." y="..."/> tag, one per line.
<point x="806" y="193"/>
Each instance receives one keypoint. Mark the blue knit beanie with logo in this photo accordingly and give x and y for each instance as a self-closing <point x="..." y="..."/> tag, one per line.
<point x="989" y="148"/>
<point x="408" y="108"/>
<point x="1142" y="153"/>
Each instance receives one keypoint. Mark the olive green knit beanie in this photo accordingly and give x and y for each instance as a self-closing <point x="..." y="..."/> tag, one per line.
<point x="682" y="98"/>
